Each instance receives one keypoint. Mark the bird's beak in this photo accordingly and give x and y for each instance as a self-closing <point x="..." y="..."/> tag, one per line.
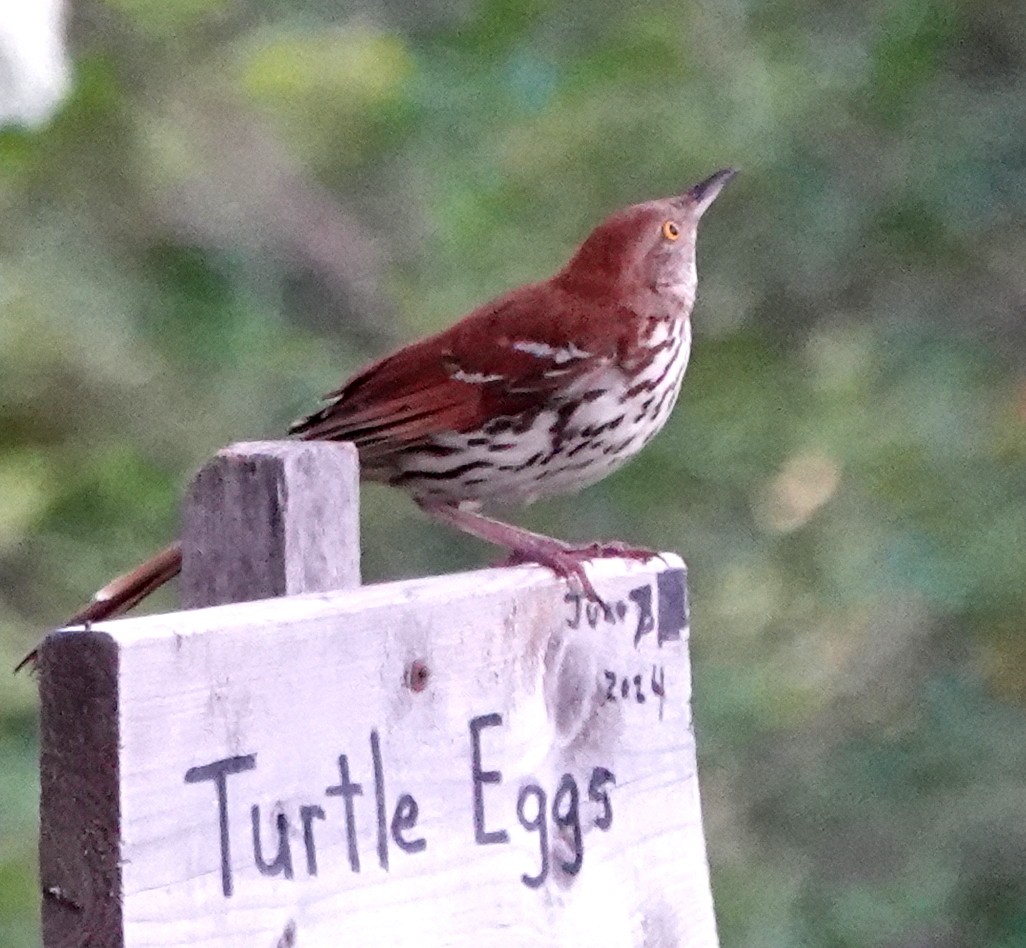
<point x="704" y="193"/>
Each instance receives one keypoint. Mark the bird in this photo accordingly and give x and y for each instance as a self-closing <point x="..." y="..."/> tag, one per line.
<point x="545" y="390"/>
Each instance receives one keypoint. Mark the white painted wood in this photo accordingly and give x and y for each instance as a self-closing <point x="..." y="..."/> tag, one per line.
<point x="298" y="682"/>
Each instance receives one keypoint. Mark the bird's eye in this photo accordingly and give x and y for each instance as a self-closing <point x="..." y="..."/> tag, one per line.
<point x="670" y="230"/>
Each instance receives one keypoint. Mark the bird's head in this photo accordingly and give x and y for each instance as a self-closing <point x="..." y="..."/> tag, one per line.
<point x="648" y="246"/>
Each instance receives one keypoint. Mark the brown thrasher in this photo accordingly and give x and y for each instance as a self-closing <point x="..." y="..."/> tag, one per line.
<point x="544" y="390"/>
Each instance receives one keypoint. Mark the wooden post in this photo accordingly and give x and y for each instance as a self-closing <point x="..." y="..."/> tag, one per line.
<point x="483" y="758"/>
<point x="271" y="518"/>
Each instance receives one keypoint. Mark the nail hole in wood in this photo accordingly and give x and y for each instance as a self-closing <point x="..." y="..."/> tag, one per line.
<point x="417" y="675"/>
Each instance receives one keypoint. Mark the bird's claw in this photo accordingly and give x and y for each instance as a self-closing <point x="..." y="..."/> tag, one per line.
<point x="569" y="564"/>
<point x="567" y="561"/>
<point x="617" y="549"/>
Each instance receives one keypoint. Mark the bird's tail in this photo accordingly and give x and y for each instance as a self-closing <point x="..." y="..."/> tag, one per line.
<point x="119" y="595"/>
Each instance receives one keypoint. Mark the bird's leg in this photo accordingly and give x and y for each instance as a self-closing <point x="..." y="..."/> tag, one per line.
<point x="525" y="546"/>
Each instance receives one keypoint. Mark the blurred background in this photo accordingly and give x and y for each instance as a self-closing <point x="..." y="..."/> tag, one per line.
<point x="212" y="210"/>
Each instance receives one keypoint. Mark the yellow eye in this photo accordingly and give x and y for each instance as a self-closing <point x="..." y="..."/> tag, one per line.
<point x="670" y="230"/>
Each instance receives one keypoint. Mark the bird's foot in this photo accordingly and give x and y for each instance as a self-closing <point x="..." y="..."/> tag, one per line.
<point x="524" y="546"/>
<point x="596" y="550"/>
<point x="616" y="549"/>
<point x="567" y="561"/>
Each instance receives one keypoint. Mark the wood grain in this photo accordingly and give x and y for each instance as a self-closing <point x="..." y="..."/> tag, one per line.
<point x="79" y="777"/>
<point x="271" y="518"/>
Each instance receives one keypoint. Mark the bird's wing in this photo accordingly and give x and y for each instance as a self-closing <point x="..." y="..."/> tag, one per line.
<point x="510" y="357"/>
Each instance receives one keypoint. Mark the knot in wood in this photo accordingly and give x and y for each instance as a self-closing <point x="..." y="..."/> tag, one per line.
<point x="571" y="668"/>
<point x="417" y="675"/>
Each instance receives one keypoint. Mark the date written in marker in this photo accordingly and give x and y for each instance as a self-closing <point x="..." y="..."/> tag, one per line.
<point x="636" y="613"/>
<point x="638" y="688"/>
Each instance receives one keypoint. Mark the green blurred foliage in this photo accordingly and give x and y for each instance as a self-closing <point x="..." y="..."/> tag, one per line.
<point x="845" y="473"/>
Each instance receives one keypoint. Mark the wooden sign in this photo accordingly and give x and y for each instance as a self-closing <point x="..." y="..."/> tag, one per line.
<point x="478" y="759"/>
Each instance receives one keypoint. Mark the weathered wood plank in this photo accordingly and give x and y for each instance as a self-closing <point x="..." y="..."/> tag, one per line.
<point x="271" y="518"/>
<point x="80" y="793"/>
<point x="382" y="754"/>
